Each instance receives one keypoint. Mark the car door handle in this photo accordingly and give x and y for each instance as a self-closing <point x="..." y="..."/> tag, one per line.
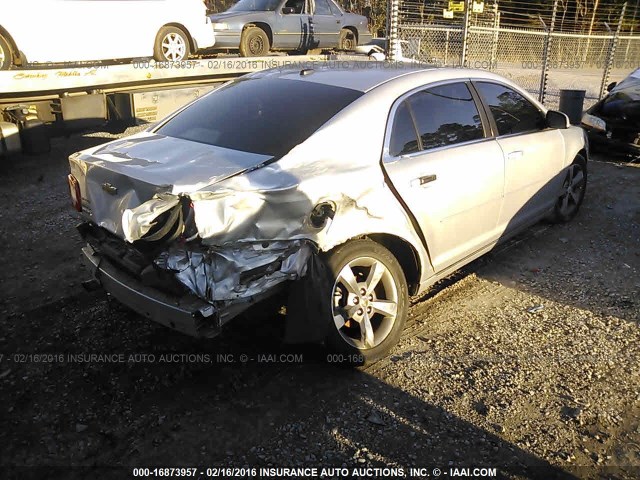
<point x="515" y="155"/>
<point x="422" y="181"/>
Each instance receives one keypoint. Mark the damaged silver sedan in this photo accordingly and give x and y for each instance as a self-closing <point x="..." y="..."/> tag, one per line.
<point x="352" y="187"/>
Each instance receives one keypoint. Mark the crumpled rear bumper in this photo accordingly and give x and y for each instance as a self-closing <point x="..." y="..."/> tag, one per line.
<point x="188" y="314"/>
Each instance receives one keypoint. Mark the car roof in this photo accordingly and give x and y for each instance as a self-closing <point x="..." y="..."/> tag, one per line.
<point x="367" y="75"/>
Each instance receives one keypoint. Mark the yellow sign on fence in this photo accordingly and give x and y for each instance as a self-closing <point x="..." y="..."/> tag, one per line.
<point x="447" y="13"/>
<point x="478" y="6"/>
<point x="456" y="6"/>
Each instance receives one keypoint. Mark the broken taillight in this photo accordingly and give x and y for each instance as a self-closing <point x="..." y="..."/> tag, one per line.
<point x="76" y="196"/>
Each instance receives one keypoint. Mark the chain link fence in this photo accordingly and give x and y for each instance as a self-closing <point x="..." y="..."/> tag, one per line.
<point x="543" y="59"/>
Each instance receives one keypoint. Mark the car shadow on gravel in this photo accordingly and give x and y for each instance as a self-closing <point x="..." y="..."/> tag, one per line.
<point x="117" y="390"/>
<point x="591" y="262"/>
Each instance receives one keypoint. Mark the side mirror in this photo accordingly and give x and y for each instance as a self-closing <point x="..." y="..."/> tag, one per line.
<point x="288" y="10"/>
<point x="611" y="86"/>
<point x="557" y="120"/>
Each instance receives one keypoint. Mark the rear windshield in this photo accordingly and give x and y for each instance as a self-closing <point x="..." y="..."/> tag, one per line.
<point x="269" y="116"/>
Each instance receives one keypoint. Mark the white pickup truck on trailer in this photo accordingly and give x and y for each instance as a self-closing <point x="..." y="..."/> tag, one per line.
<point x="44" y="31"/>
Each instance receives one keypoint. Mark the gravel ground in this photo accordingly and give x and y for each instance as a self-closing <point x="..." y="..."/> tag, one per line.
<point x="525" y="361"/>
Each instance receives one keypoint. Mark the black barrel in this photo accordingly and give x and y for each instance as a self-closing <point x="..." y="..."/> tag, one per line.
<point x="571" y="103"/>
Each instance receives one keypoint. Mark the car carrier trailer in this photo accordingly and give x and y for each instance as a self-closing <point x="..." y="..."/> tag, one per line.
<point x="45" y="100"/>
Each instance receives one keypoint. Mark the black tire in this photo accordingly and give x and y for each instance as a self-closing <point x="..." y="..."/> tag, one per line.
<point x="574" y="188"/>
<point x="350" y="340"/>
<point x="6" y="55"/>
<point x="347" y="40"/>
<point x="254" y="42"/>
<point x="172" y="45"/>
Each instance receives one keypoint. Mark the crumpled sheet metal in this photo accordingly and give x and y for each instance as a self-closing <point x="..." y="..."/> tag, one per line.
<point x="136" y="222"/>
<point x="254" y="207"/>
<point x="335" y="165"/>
<point x="104" y="208"/>
<point x="216" y="275"/>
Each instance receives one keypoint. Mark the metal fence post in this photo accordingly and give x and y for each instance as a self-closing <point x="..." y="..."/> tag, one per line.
<point x="633" y="23"/>
<point x="465" y="31"/>
<point x="544" y="76"/>
<point x="392" y="29"/>
<point x="612" y="52"/>
<point x="446" y="49"/>
<point x="496" y="35"/>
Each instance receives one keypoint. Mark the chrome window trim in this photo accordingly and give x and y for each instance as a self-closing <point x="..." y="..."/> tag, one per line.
<point x="542" y="112"/>
<point x="388" y="158"/>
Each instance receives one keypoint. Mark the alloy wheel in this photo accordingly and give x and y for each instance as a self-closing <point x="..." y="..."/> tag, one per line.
<point x="365" y="302"/>
<point x="572" y="191"/>
<point x="174" y="47"/>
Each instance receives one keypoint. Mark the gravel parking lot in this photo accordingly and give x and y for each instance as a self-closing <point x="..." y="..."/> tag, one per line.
<point x="525" y="361"/>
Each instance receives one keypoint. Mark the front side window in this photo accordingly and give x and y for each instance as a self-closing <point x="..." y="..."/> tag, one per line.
<point x="446" y="115"/>
<point x="512" y="112"/>
<point x="297" y="5"/>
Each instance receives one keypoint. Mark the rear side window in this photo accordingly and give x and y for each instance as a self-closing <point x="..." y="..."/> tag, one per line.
<point x="446" y="115"/>
<point x="512" y="112"/>
<point x="403" y="133"/>
<point x="269" y="116"/>
<point x="334" y="8"/>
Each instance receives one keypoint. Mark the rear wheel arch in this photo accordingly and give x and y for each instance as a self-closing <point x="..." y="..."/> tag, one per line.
<point x="406" y="255"/>
<point x="309" y="316"/>
<point x="583" y="153"/>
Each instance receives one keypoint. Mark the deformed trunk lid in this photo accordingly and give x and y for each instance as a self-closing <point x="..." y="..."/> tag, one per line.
<point x="126" y="173"/>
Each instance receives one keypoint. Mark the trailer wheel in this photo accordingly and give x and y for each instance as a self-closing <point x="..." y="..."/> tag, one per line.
<point x="347" y="40"/>
<point x="6" y="56"/>
<point x="172" y="45"/>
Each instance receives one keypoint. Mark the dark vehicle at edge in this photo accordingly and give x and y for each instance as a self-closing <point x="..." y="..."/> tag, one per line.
<point x="614" y="122"/>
